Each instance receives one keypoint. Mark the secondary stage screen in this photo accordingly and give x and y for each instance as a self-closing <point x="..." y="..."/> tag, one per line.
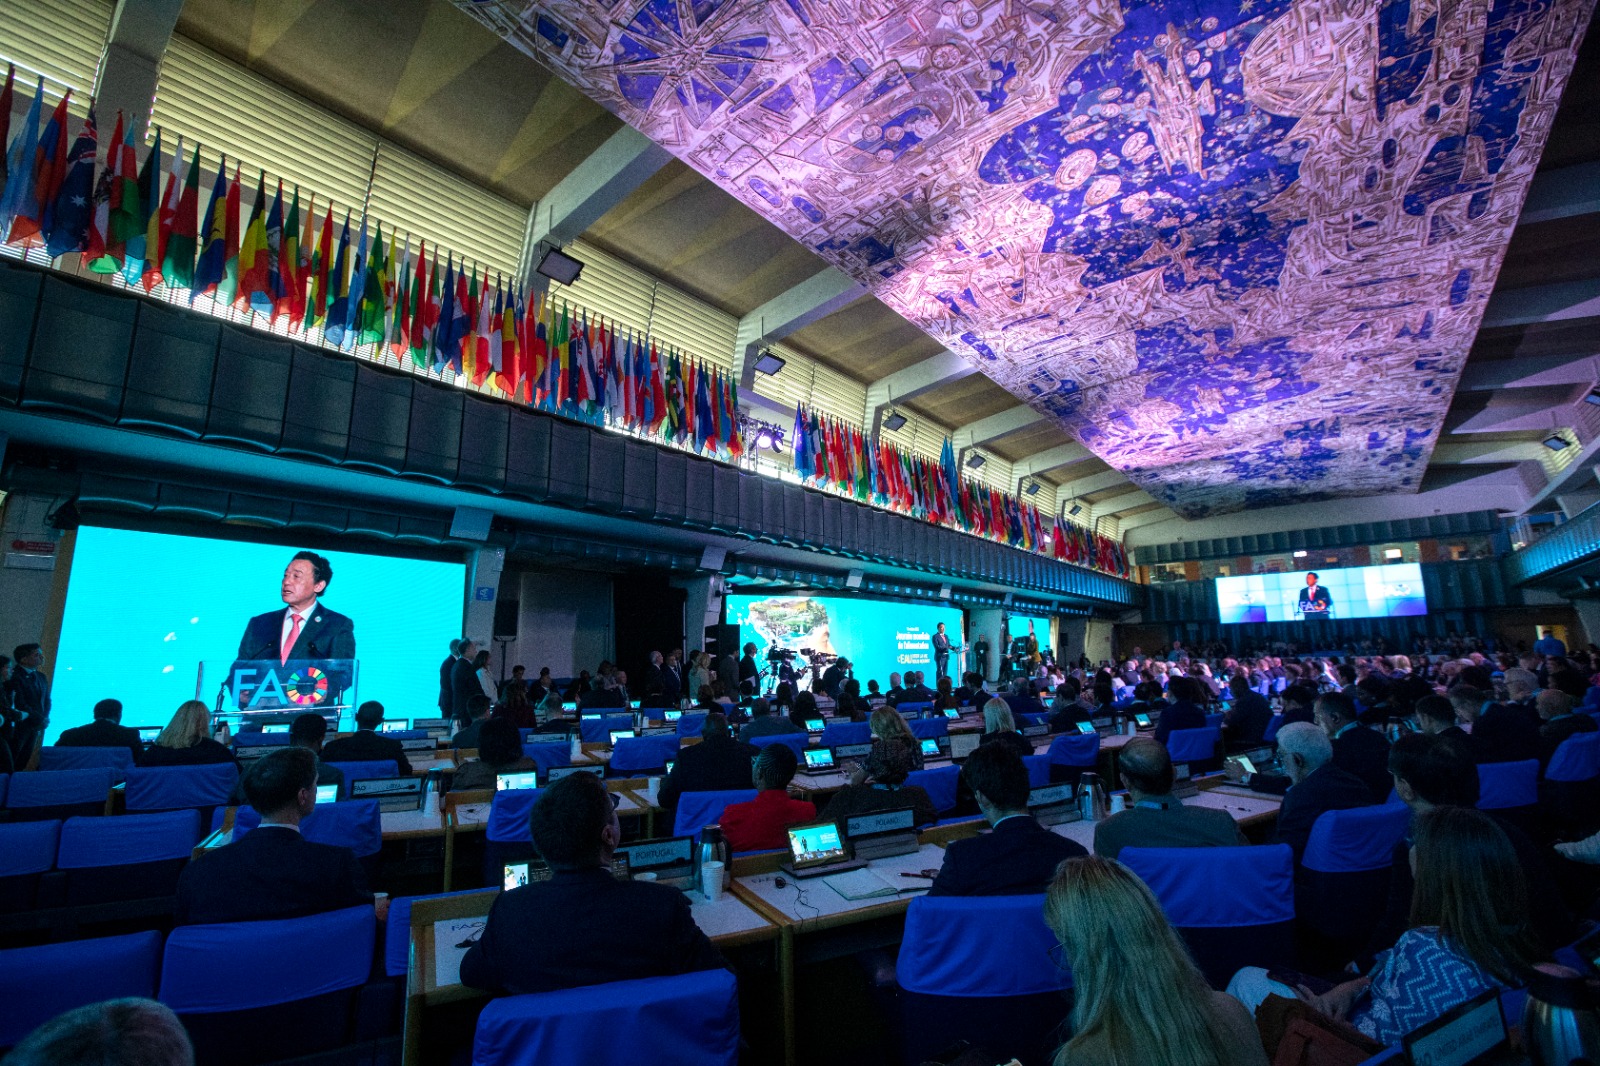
<point x="878" y="637"/>
<point x="1393" y="591"/>
<point x="145" y="609"/>
<point x="1017" y="625"/>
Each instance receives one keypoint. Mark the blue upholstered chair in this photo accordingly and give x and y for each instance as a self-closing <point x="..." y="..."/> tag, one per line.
<point x="1233" y="906"/>
<point x="1571" y="791"/>
<point x="27" y="850"/>
<point x="1196" y="748"/>
<point x="697" y="810"/>
<point x="599" y="730"/>
<point x="38" y="983"/>
<point x="837" y="733"/>
<point x="1073" y="753"/>
<point x="135" y="856"/>
<point x="508" y="836"/>
<point x="926" y="728"/>
<point x="940" y="783"/>
<point x="688" y="1020"/>
<point x="548" y="755"/>
<point x="1344" y="876"/>
<point x="795" y="742"/>
<point x="167" y="788"/>
<point x="54" y="758"/>
<point x="353" y="824"/>
<point x="638" y="756"/>
<point x="59" y="793"/>
<point x="1508" y="785"/>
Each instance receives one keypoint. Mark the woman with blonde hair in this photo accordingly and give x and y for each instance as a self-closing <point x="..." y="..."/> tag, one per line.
<point x="1000" y="727"/>
<point x="888" y="727"/>
<point x="186" y="741"/>
<point x="1140" y="1000"/>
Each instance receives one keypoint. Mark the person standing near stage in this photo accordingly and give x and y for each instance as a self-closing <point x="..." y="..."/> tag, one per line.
<point x="941" y="653"/>
<point x="29" y="692"/>
<point x="748" y="672"/>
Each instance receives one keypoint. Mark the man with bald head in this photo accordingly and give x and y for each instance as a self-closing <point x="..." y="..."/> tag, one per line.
<point x="1155" y="818"/>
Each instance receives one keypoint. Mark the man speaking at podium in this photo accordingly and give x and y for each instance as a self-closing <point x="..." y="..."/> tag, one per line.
<point x="304" y="629"/>
<point x="1315" y="602"/>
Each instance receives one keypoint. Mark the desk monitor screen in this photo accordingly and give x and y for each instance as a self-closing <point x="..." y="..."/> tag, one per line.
<point x="819" y="759"/>
<point x="621" y="734"/>
<point x="393" y="725"/>
<point x="952" y="712"/>
<point x="1142" y="720"/>
<point x="813" y="725"/>
<point x="556" y="773"/>
<point x="672" y="715"/>
<point x="148" y="733"/>
<point x="634" y="704"/>
<point x="1471" y="1034"/>
<point x="327" y="793"/>
<point x="963" y="744"/>
<point x="523" y="779"/>
<point x="1049" y="795"/>
<point x="658" y="854"/>
<point x="1244" y="761"/>
<point x="813" y="845"/>
<point x="852" y="751"/>
<point x="900" y="820"/>
<point x="930" y="747"/>
<point x="284" y="728"/>
<point x="516" y="875"/>
<point x="1086" y="728"/>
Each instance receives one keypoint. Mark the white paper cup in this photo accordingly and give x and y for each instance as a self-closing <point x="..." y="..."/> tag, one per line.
<point x="711" y="876"/>
<point x="645" y="875"/>
<point x="1119" y="803"/>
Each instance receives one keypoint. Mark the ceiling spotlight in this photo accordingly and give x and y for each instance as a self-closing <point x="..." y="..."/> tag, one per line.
<point x="768" y="363"/>
<point x="1556" y="442"/>
<point x="1032" y="489"/>
<point x="1075" y="510"/>
<point x="895" y="422"/>
<point x="763" y="439"/>
<point x="974" y="461"/>
<point x="1592" y="396"/>
<point x="559" y="267"/>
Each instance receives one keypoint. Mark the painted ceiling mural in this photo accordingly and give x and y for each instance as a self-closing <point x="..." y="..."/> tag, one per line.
<point x="1238" y="248"/>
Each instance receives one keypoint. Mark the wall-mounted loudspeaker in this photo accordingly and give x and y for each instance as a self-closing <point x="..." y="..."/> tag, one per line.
<point x="506" y="613"/>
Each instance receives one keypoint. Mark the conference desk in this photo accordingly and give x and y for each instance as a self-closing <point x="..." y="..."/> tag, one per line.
<point x="441" y="929"/>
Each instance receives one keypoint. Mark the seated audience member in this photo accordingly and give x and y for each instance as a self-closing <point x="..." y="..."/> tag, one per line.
<point x="1508" y="732"/>
<point x="499" y="752"/>
<point x="1155" y="818"/>
<point x="186" y="741"/>
<point x="999" y="727"/>
<point x="760" y="824"/>
<point x="1068" y="708"/>
<point x="1298" y="701"/>
<point x="106" y="731"/>
<point x="850" y="703"/>
<point x="718" y="763"/>
<point x="971" y="684"/>
<point x="944" y="695"/>
<point x="515" y="707"/>
<point x="1020" y="699"/>
<point x="1560" y="722"/>
<point x="1020" y="856"/>
<point x="1139" y="999"/>
<point x="308" y="731"/>
<point x="583" y="926"/>
<point x="878" y="785"/>
<point x="764" y="723"/>
<point x="600" y="697"/>
<point x="1247" y="719"/>
<point x="367" y="744"/>
<point x="1437" y="771"/>
<point x="1186" y="711"/>
<point x="1469" y="934"/>
<point x="1316" y="785"/>
<point x="116" y="1032"/>
<point x="478" y="707"/>
<point x="895" y="693"/>
<point x="705" y="699"/>
<point x="889" y="727"/>
<point x="272" y="871"/>
<point x="1358" y="749"/>
<point x="654" y="698"/>
<point x="915" y="690"/>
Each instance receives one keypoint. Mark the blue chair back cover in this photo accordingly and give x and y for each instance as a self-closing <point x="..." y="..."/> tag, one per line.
<point x="1187" y="881"/>
<point x="38" y="983"/>
<point x="209" y="969"/>
<point x="837" y="733"/>
<point x="131" y="838"/>
<point x="155" y="788"/>
<point x="366" y="770"/>
<point x="58" y="788"/>
<point x="397" y="930"/>
<point x="261" y="740"/>
<point x="1075" y="749"/>
<point x="54" y="758"/>
<point x="548" y="755"/>
<point x="689" y="725"/>
<point x="696" y="810"/>
<point x="643" y="753"/>
<point x="688" y="1020"/>
<point x="1274" y="724"/>
<point x="509" y="812"/>
<point x="28" y="847"/>
<point x="949" y="947"/>
<point x="1193" y="745"/>
<point x="1038" y="769"/>
<point x="598" y="730"/>
<point x="1576" y="759"/>
<point x="353" y="824"/>
<point x="930" y="728"/>
<point x="1362" y="838"/>
<point x="796" y="742"/>
<point x="1214" y="719"/>
<point x="1508" y="784"/>
<point x="939" y="783"/>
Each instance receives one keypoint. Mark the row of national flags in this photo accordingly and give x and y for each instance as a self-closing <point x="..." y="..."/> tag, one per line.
<point x="831" y="453"/>
<point x="341" y="274"/>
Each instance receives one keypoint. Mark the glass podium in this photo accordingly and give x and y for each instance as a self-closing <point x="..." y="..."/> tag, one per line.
<point x="251" y="693"/>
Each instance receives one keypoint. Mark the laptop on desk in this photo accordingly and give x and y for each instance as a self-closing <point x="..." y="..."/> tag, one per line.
<point x="814" y="725"/>
<point x="1086" y="728"/>
<point x="328" y="794"/>
<point x="931" y="748"/>
<point x="516" y="779"/>
<point x="393" y="725"/>
<point x="952" y="712"/>
<point x="672" y="714"/>
<point x="148" y="733"/>
<point x="818" y="850"/>
<point x="392" y="793"/>
<point x="818" y="761"/>
<point x="280" y="728"/>
<point x="963" y="744"/>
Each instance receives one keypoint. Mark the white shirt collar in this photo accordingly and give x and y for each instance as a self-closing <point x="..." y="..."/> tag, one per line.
<point x="305" y="615"/>
<point x="279" y="825"/>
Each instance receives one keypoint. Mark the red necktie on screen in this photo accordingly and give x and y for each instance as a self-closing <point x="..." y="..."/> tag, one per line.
<point x="294" y="634"/>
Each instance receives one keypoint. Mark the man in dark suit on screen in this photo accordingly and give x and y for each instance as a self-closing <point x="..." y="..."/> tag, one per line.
<point x="1315" y="602"/>
<point x="303" y="629"/>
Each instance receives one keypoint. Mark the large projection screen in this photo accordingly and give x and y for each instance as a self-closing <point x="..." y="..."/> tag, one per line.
<point x="1393" y="591"/>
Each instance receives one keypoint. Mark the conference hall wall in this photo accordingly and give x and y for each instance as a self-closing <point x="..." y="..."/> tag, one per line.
<point x="143" y="610"/>
<point x="879" y="637"/>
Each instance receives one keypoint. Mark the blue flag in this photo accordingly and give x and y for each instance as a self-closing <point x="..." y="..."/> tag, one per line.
<point x="67" y="226"/>
<point x="19" y="165"/>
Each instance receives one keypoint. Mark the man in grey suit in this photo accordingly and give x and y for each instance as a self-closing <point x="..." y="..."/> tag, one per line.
<point x="1155" y="818"/>
<point x="763" y="723"/>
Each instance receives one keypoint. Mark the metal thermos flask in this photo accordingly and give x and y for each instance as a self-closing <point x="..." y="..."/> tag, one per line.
<point x="1561" y="1022"/>
<point x="713" y="848"/>
<point x="1091" y="797"/>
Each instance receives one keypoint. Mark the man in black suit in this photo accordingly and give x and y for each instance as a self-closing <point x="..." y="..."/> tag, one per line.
<point x="106" y="731"/>
<point x="1506" y="732"/>
<point x="583" y="926"/>
<point x="971" y="685"/>
<point x="672" y="676"/>
<point x="29" y="690"/>
<point x="303" y="629"/>
<point x="941" y="652"/>
<point x="600" y="697"/>
<point x="1021" y="700"/>
<point x="1436" y="717"/>
<point x="1155" y="818"/>
<point x="916" y="691"/>
<point x="366" y="743"/>
<point x="895" y="692"/>
<point x="1315" y="604"/>
<point x="272" y="871"/>
<point x="1317" y="785"/>
<point x="446" y="698"/>
<point x="749" y="673"/>
<point x="464" y="683"/>
<point x="1020" y="856"/>
<point x="1247" y="720"/>
<point x="1560" y="722"/>
<point x="834" y="677"/>
<point x="715" y="764"/>
<point x="1357" y="749"/>
<point x="478" y="708"/>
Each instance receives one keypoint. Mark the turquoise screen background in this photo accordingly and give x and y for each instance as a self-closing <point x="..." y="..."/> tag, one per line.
<point x="877" y="636"/>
